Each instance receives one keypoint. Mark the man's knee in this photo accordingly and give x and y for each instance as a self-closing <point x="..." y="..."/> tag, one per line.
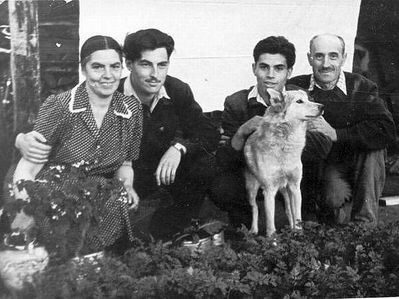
<point x="228" y="190"/>
<point x="200" y="168"/>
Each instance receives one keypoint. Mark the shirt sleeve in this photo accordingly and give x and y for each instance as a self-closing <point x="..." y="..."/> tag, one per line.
<point x="198" y="131"/>
<point x="372" y="126"/>
<point x="50" y="119"/>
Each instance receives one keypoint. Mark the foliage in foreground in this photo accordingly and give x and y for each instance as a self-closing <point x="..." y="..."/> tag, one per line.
<point x="319" y="262"/>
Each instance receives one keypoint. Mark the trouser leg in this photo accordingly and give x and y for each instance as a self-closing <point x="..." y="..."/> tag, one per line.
<point x="316" y="151"/>
<point x="188" y="192"/>
<point x="353" y="188"/>
<point x="229" y="194"/>
<point x="369" y="180"/>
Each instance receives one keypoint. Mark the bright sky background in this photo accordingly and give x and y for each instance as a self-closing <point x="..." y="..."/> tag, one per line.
<point x="214" y="39"/>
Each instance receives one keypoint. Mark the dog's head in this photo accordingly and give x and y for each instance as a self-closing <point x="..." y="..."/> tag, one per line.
<point x="293" y="105"/>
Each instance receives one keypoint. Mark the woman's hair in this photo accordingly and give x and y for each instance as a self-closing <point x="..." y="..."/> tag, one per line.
<point x="96" y="43"/>
<point x="147" y="39"/>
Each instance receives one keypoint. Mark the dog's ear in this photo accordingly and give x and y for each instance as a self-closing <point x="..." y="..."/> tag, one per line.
<point x="276" y="97"/>
<point x="277" y="101"/>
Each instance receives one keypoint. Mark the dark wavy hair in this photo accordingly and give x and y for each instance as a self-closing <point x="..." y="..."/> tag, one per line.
<point x="147" y="39"/>
<point x="276" y="45"/>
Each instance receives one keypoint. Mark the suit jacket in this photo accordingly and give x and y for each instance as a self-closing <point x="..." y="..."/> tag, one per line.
<point x="361" y="118"/>
<point x="178" y="119"/>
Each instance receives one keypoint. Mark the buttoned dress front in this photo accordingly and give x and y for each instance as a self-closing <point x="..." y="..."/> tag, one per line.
<point x="67" y="122"/>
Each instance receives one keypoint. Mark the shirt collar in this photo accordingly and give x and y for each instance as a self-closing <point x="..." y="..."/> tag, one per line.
<point x="80" y="102"/>
<point x="341" y="83"/>
<point x="128" y="90"/>
<point x="254" y="93"/>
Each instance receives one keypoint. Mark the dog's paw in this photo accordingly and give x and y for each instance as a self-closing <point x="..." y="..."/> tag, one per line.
<point x="254" y="231"/>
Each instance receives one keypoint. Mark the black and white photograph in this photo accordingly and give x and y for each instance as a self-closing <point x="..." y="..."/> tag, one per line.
<point x="199" y="149"/>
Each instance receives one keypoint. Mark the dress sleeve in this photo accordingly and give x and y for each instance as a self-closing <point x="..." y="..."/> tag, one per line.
<point x="50" y="118"/>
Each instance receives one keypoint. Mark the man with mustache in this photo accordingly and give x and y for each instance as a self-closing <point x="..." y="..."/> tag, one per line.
<point x="175" y="161"/>
<point x="359" y="126"/>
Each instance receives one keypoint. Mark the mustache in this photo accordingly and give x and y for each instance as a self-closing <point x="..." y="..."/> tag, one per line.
<point x="153" y="81"/>
<point x="328" y="69"/>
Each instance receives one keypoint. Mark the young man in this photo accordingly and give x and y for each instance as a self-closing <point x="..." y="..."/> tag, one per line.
<point x="274" y="58"/>
<point x="175" y="159"/>
<point x="359" y="125"/>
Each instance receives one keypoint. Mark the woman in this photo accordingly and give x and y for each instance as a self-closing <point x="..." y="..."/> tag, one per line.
<point x="96" y="124"/>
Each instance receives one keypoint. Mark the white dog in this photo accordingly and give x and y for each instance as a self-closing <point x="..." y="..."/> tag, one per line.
<point x="273" y="156"/>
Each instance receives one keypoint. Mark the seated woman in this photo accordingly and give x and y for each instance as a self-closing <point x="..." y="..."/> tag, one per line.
<point x="96" y="124"/>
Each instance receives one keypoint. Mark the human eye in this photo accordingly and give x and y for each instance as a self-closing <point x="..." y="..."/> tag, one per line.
<point x="97" y="66"/>
<point x="163" y="65"/>
<point x="280" y="68"/>
<point x="318" y="56"/>
<point x="145" y="63"/>
<point x="116" y="66"/>
<point x="333" y="56"/>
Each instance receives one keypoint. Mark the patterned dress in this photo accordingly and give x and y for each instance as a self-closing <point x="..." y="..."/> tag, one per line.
<point x="67" y="122"/>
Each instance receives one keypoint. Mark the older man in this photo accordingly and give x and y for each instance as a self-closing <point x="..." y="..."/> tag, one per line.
<point x="358" y="123"/>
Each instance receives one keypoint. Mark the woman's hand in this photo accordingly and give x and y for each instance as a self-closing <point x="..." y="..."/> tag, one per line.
<point x="126" y="174"/>
<point x="20" y="194"/>
<point x="133" y="198"/>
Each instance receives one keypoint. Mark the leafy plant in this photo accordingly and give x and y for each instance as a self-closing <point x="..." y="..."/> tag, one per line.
<point x="67" y="205"/>
<point x="317" y="262"/>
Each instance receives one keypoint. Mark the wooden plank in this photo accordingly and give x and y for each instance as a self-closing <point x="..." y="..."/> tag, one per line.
<point x="389" y="200"/>
<point x="25" y="62"/>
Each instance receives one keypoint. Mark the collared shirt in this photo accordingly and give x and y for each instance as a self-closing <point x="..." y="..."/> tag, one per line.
<point x="128" y="90"/>
<point x="341" y="83"/>
<point x="254" y="94"/>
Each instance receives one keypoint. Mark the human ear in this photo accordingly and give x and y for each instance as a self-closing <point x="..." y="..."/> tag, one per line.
<point x="129" y="63"/>
<point x="310" y="58"/>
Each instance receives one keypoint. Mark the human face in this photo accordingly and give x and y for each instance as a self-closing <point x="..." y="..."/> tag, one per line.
<point x="148" y="73"/>
<point x="103" y="72"/>
<point x="326" y="58"/>
<point x="271" y="71"/>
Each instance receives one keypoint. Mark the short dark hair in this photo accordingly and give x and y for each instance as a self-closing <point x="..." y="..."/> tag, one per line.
<point x="96" y="43"/>
<point x="341" y="40"/>
<point x="276" y="45"/>
<point x="147" y="39"/>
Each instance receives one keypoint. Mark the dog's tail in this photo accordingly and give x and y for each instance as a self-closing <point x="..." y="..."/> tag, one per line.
<point x="336" y="189"/>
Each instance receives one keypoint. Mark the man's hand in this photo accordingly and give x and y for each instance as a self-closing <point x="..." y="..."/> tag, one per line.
<point x="223" y="138"/>
<point x="319" y="124"/>
<point x="167" y="167"/>
<point x="32" y="147"/>
<point x="243" y="132"/>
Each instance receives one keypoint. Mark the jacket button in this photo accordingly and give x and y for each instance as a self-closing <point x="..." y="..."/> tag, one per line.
<point x="162" y="129"/>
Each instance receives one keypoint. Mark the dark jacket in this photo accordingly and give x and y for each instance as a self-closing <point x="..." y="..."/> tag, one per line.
<point x="360" y="118"/>
<point x="178" y="119"/>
